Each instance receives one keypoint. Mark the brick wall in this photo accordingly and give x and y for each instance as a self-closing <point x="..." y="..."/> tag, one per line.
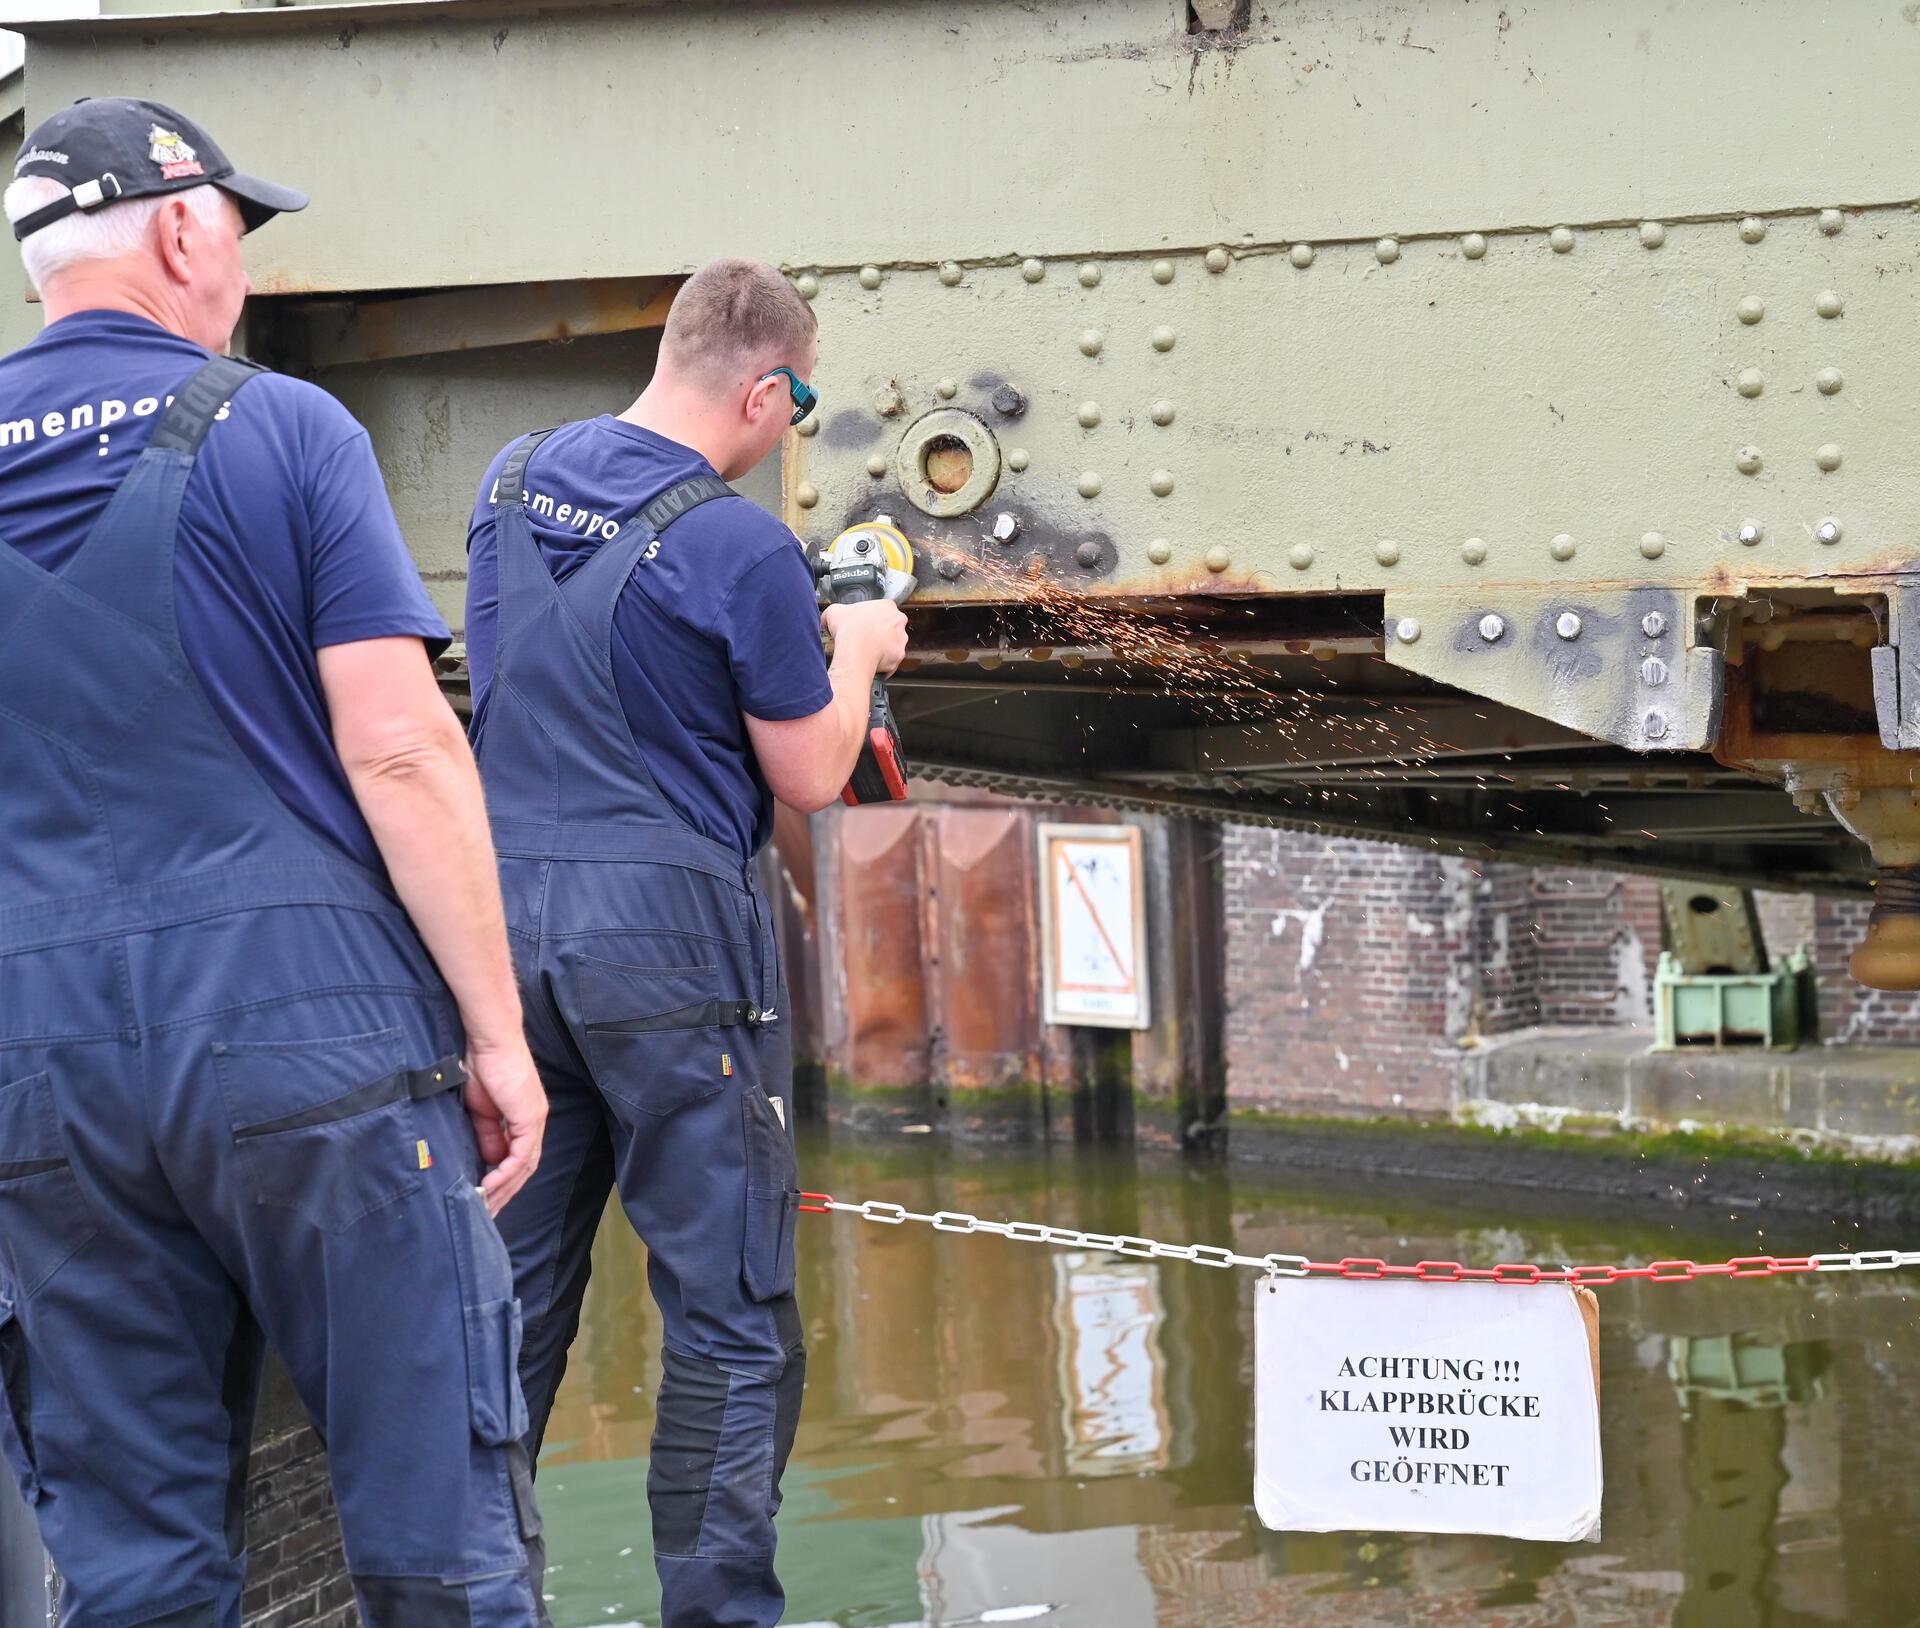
<point x="298" y="1572"/>
<point x="1357" y="971"/>
<point x="1849" y="1012"/>
<point x="297" y="1569"/>
<point x="1348" y="966"/>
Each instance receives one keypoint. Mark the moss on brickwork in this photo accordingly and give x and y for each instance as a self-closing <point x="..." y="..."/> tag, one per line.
<point x="1577" y="1135"/>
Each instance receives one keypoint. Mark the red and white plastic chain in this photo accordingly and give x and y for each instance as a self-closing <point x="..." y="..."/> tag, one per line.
<point x="1299" y="1266"/>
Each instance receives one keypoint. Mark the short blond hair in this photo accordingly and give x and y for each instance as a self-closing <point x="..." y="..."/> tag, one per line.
<point x="737" y="318"/>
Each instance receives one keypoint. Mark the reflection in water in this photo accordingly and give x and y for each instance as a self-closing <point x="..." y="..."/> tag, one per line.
<point x="1001" y="1432"/>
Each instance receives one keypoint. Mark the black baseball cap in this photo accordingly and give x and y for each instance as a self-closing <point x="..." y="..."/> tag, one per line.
<point x="109" y="148"/>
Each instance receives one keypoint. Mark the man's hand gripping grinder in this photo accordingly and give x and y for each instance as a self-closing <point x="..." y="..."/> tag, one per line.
<point x="871" y="561"/>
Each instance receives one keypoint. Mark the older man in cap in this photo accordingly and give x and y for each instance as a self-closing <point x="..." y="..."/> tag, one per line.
<point x="259" y="1035"/>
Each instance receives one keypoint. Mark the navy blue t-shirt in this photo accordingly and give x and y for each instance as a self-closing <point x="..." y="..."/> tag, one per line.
<point x="721" y="622"/>
<point x="287" y="542"/>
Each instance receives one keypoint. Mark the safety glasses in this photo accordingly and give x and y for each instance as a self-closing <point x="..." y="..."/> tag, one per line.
<point x="804" y="399"/>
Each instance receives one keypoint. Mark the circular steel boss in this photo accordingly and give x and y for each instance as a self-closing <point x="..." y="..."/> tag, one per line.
<point x="948" y="463"/>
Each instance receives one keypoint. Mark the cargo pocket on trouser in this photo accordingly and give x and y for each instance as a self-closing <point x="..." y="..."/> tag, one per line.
<point x="491" y="1319"/>
<point x="773" y="1199"/>
<point x="16" y="1427"/>
<point x="324" y="1128"/>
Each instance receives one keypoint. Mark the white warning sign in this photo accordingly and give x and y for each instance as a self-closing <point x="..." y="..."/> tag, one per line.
<point x="1421" y="1407"/>
<point x="1094" y="930"/>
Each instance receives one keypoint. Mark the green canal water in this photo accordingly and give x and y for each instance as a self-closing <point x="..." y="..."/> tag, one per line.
<point x="1002" y="1432"/>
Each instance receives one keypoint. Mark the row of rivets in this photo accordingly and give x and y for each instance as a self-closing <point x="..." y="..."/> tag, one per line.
<point x="1751" y="309"/>
<point x="1825" y="456"/>
<point x="1089" y="415"/>
<point x="1160" y="483"/>
<point x="1653" y="234"/>
<point x="1751" y="381"/>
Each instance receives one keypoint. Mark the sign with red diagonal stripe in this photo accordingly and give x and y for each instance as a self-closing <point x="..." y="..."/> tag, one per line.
<point x="1094" y="926"/>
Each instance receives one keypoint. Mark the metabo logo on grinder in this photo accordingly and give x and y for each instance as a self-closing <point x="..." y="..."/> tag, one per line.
<point x="173" y="155"/>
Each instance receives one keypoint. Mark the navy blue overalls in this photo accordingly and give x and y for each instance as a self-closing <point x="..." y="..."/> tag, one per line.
<point x="229" y="1113"/>
<point x="652" y="987"/>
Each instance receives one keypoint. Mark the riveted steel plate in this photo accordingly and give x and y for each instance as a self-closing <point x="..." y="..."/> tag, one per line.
<point x="1379" y="417"/>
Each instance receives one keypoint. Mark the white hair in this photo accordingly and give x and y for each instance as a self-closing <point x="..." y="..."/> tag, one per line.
<point x="109" y="233"/>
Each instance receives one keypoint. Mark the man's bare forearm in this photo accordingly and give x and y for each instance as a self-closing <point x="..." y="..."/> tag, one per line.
<point x="423" y="803"/>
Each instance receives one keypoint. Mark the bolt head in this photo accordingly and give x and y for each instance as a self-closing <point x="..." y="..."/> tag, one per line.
<point x="1387" y="250"/>
<point x="949" y="568"/>
<point x="1652" y="545"/>
<point x="1752" y="229"/>
<point x="1006" y="527"/>
<point x="1750" y="310"/>
<point x="1162" y="339"/>
<point x="1387" y="553"/>
<point x="1828" y="531"/>
<point x="1407" y="630"/>
<point x="1088" y="555"/>
<point x="1163" y="271"/>
<point x="1218" y="260"/>
<point x="1161" y="482"/>
<point x="806" y="494"/>
<point x="1473" y="245"/>
<point x="1828" y="456"/>
<point x="1089" y="274"/>
<point x="1831" y="222"/>
<point x="1300" y="556"/>
<point x="1750" y="532"/>
<point x="1473" y="551"/>
<point x="1091" y="342"/>
<point x="1492" y="627"/>
<point x="1218" y="559"/>
<point x="1828" y="381"/>
<point x="888" y="403"/>
<point x="1567" y="625"/>
<point x="1089" y="484"/>
<point x="1653" y="233"/>
<point x="1655" y="725"/>
<point x="1828" y="303"/>
<point x="869" y="276"/>
<point x="807" y="284"/>
<point x="1017" y="457"/>
<point x="1561" y="548"/>
<point x="950" y="273"/>
<point x="876" y="465"/>
<point x="1747" y="460"/>
<point x="1033" y="270"/>
<point x="1653" y="671"/>
<point x="1088" y="414"/>
<point x="1301" y="254"/>
<point x="1159" y="551"/>
<point x="1008" y="402"/>
<point x="1161" y="413"/>
<point x="1653" y="624"/>
<point x="1751" y="382"/>
<point x="946" y="389"/>
<point x="1561" y="237"/>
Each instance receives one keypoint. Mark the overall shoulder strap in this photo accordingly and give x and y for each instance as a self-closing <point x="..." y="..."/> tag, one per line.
<point x="512" y="486"/>
<point x="127" y="559"/>
<point x="198" y="402"/>
<point x="595" y="588"/>
<point x="681" y="498"/>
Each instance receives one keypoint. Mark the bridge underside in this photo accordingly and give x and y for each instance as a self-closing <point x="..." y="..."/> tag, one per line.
<point x="1284" y="711"/>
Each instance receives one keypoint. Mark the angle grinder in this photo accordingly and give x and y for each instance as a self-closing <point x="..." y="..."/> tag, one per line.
<point x="871" y="561"/>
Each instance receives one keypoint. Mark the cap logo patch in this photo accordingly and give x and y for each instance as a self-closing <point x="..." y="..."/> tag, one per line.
<point x="174" y="156"/>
